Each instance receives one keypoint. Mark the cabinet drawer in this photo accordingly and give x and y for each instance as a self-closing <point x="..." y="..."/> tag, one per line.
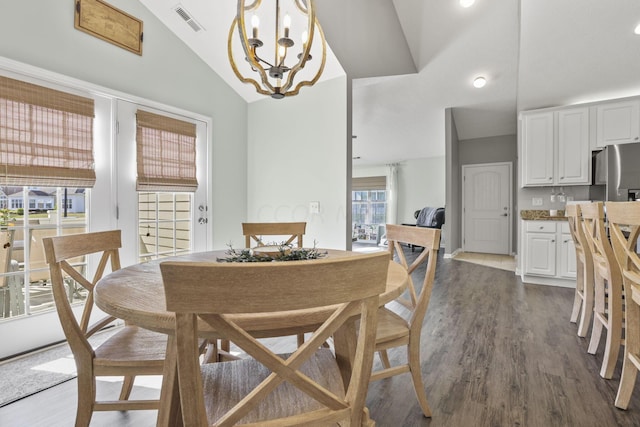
<point x="564" y="227"/>
<point x="541" y="226"/>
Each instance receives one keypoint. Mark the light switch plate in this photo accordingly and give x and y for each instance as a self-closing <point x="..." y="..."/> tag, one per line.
<point x="536" y="201"/>
<point x="314" y="207"/>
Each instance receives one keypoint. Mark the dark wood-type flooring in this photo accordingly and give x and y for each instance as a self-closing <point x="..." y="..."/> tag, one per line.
<point x="495" y="353"/>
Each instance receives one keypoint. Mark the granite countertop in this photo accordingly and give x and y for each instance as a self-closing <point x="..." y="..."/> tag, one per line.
<point x="541" y="215"/>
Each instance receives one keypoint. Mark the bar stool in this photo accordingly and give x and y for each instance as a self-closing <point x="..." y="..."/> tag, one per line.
<point x="607" y="285"/>
<point x="583" y="300"/>
<point x="624" y="228"/>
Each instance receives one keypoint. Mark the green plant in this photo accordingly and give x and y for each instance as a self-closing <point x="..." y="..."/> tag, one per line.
<point x="285" y="253"/>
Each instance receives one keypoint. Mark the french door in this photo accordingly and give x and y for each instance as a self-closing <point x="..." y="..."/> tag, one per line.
<point x="158" y="224"/>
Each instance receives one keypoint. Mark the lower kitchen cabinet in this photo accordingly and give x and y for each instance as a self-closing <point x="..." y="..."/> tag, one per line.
<point x="549" y="253"/>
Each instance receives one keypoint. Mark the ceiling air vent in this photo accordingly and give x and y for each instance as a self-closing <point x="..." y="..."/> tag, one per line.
<point x="186" y="16"/>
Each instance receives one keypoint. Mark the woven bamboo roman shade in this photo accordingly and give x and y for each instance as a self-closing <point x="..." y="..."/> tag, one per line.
<point x="46" y="136"/>
<point x="166" y="150"/>
<point x="368" y="183"/>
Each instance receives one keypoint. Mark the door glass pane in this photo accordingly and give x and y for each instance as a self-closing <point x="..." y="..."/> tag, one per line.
<point x="25" y="285"/>
<point x="164" y="224"/>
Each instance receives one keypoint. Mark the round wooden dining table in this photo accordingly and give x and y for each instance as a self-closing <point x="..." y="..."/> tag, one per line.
<point x="136" y="295"/>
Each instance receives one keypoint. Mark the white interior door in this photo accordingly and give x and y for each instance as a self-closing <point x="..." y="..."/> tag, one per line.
<point x="133" y="231"/>
<point x="486" y="203"/>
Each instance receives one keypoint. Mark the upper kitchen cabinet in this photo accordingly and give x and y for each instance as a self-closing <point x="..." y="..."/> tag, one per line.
<point x="574" y="155"/>
<point x="617" y="123"/>
<point x="555" y="147"/>
<point x="537" y="148"/>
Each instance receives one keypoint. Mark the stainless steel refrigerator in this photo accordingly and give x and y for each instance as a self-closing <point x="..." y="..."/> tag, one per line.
<point x="618" y="168"/>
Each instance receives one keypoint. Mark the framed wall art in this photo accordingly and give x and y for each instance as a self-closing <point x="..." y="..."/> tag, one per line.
<point x="109" y="23"/>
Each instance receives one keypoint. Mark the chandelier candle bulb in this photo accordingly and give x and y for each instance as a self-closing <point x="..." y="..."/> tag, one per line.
<point x="287" y="25"/>
<point x="255" y="23"/>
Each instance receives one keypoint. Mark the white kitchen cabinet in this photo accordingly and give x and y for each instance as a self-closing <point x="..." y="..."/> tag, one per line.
<point x="549" y="254"/>
<point x="567" y="266"/>
<point x="574" y="155"/>
<point x="617" y="123"/>
<point x="555" y="147"/>
<point x="541" y="254"/>
<point x="538" y="148"/>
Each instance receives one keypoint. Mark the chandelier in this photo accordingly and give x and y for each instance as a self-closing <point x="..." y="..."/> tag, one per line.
<point x="272" y="63"/>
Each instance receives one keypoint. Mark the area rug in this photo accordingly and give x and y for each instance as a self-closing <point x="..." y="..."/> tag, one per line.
<point x="40" y="370"/>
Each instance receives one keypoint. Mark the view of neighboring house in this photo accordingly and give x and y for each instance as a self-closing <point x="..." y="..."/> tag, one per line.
<point x="13" y="198"/>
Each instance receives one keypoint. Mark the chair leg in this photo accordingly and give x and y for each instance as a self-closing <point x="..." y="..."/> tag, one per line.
<point x="127" y="386"/>
<point x="300" y="338"/>
<point x="587" y="302"/>
<point x="384" y="358"/>
<point x="614" y="334"/>
<point x="577" y="299"/>
<point x="599" y="306"/>
<point x="596" y="333"/>
<point x="86" y="400"/>
<point x="211" y="352"/>
<point x="632" y="347"/>
<point x="416" y="375"/>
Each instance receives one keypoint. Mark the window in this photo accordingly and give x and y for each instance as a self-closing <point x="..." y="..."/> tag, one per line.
<point x="47" y="144"/>
<point x="369" y="207"/>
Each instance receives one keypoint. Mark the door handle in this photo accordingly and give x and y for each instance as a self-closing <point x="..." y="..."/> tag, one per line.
<point x="505" y="214"/>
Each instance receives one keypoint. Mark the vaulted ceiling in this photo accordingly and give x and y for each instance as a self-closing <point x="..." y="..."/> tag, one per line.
<point x="411" y="59"/>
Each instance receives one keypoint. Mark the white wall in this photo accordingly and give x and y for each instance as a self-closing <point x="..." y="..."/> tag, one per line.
<point x="41" y="33"/>
<point x="421" y="183"/>
<point x="297" y="153"/>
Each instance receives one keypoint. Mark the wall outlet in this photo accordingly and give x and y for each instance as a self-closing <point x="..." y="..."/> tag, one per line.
<point x="314" y="207"/>
<point x="536" y="201"/>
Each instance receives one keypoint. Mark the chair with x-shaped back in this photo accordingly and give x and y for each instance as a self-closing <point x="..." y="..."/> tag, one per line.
<point x="583" y="297"/>
<point x="290" y="231"/>
<point x="396" y="330"/>
<point x="131" y="351"/>
<point x="304" y="388"/>
<point x="624" y="228"/>
<point x="608" y="306"/>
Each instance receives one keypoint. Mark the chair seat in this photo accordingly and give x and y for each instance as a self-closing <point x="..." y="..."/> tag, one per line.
<point x="390" y="326"/>
<point x="133" y="344"/>
<point x="227" y="382"/>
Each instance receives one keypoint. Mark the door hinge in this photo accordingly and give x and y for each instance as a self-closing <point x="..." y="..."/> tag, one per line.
<point x="117" y="212"/>
<point x="117" y="127"/>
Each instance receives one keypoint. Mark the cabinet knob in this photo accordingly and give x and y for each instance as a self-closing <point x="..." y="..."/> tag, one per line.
<point x="636" y="138"/>
<point x="553" y="241"/>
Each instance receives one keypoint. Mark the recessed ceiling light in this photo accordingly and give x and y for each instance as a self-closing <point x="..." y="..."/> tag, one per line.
<point x="637" y="29"/>
<point x="479" y="82"/>
<point x="467" y="3"/>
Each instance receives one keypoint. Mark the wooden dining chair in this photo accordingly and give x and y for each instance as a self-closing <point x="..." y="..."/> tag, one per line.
<point x="304" y="388"/>
<point x="583" y="297"/>
<point x="129" y="352"/>
<point x="254" y="232"/>
<point x="291" y="231"/>
<point x="607" y="286"/>
<point x="624" y="229"/>
<point x="398" y="330"/>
